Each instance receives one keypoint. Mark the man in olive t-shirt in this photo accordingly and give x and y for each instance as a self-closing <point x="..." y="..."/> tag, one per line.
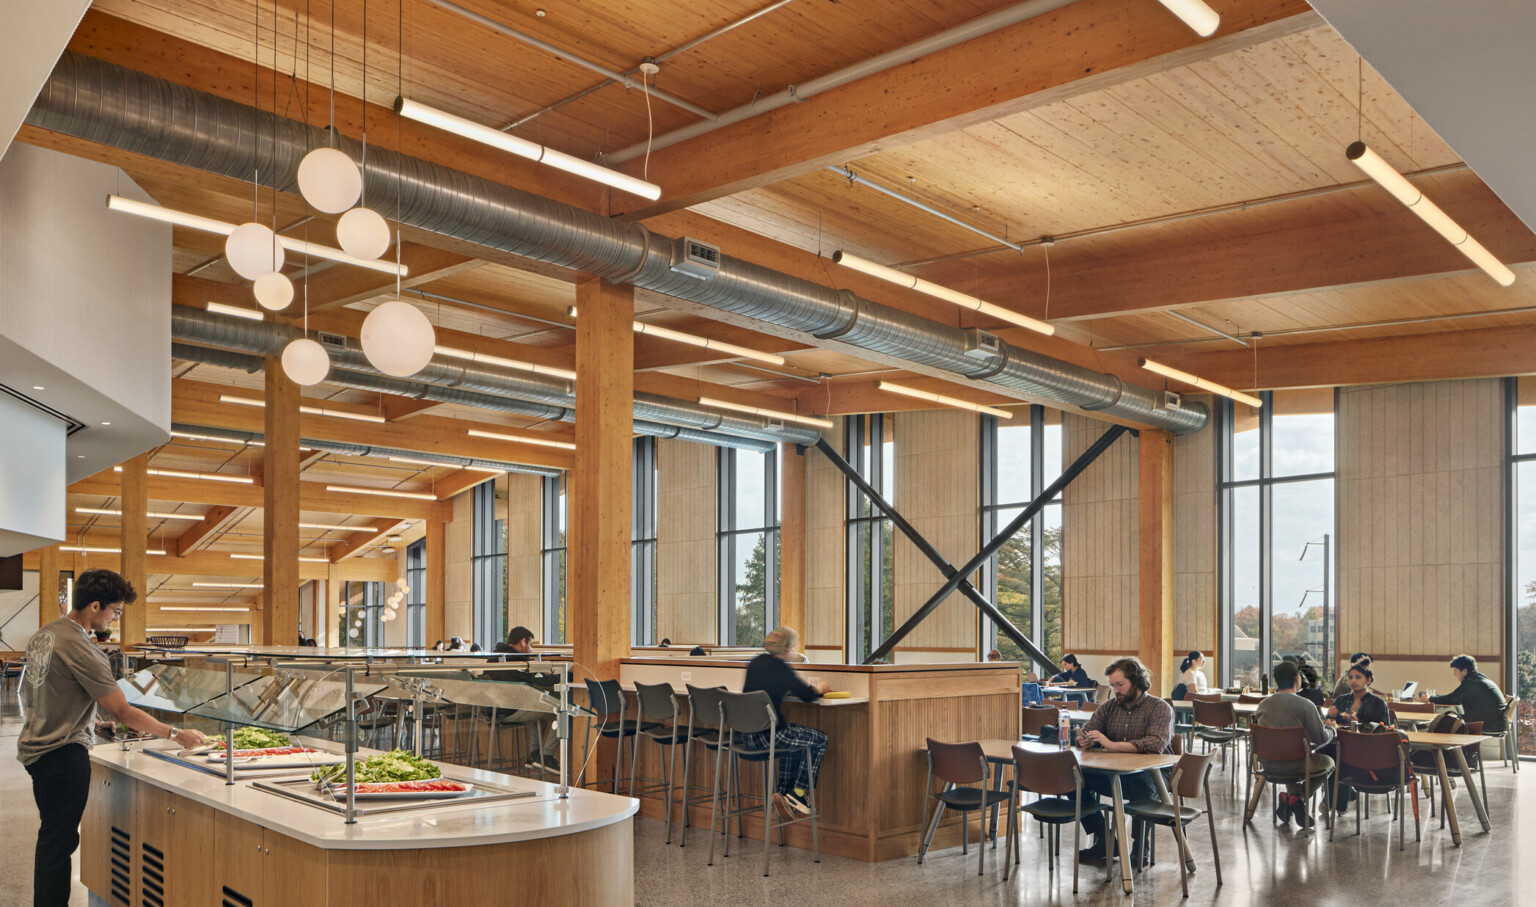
<point x="67" y="678"/>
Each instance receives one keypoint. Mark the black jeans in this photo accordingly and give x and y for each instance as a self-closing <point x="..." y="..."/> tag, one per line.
<point x="61" y="781"/>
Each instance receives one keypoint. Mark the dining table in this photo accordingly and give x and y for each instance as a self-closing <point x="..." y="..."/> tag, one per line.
<point x="1440" y="744"/>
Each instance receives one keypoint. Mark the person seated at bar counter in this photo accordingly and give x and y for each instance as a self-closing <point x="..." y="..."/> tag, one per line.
<point x="519" y="641"/>
<point x="1072" y="674"/>
<point x="518" y="646"/>
<point x="1477" y="694"/>
<point x="1132" y="721"/>
<point x="994" y="655"/>
<point x="1360" y="705"/>
<point x="770" y="672"/>
<point x="1284" y="707"/>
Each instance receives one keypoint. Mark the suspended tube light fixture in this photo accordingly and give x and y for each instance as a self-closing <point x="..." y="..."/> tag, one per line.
<point x="956" y="402"/>
<point x="731" y="349"/>
<point x="962" y="300"/>
<point x="767" y="413"/>
<point x="1201" y="19"/>
<point x="1197" y="381"/>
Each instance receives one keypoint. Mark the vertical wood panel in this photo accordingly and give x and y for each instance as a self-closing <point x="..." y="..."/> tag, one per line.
<point x="1194" y="540"/>
<point x="135" y="507"/>
<point x="1100" y="553"/>
<point x="525" y="593"/>
<point x="825" y="547"/>
<point x="937" y="473"/>
<point x="792" y="537"/>
<point x="686" y="562"/>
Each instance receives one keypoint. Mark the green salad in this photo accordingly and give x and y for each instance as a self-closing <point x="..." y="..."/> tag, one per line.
<point x="253" y="738"/>
<point x="398" y="765"/>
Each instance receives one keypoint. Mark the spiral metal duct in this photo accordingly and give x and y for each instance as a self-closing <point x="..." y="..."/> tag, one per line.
<point x="361" y="450"/>
<point x="108" y="104"/>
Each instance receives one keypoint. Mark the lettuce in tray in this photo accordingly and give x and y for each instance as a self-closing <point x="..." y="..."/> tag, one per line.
<point x="253" y="738"/>
<point x="398" y="765"/>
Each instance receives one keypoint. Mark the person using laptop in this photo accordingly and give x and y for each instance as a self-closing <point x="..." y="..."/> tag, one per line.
<point x="1477" y="694"/>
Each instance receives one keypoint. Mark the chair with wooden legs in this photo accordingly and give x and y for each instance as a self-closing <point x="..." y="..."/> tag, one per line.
<point x="658" y="710"/>
<point x="1190" y="781"/>
<point x="1057" y="779"/>
<point x="1374" y="764"/>
<point x="957" y="765"/>
<point x="1282" y="744"/>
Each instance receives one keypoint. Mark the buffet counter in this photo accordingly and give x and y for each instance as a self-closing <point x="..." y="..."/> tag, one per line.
<point x="156" y="832"/>
<point x="870" y="793"/>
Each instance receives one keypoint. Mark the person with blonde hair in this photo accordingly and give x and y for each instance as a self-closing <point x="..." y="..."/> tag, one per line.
<point x="771" y="673"/>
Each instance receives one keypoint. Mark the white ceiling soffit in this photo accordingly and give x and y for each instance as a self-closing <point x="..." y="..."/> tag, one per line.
<point x="1467" y="68"/>
<point x="34" y="36"/>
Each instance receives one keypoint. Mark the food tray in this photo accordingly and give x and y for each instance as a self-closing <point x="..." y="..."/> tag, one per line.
<point x="339" y="791"/>
<point x="480" y="793"/>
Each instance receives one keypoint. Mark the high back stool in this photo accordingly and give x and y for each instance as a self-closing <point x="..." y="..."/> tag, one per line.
<point x="703" y="727"/>
<point x="752" y="713"/>
<point x="658" y="712"/>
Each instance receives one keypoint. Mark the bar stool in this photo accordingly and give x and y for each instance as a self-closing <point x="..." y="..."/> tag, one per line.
<point x="606" y="699"/>
<point x="658" y="705"/>
<point x="752" y="713"/>
<point x="703" y="727"/>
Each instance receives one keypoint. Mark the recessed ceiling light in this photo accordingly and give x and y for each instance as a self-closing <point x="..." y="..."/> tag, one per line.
<point x="79" y="456"/>
<point x="38" y="387"/>
<point x="106" y="423"/>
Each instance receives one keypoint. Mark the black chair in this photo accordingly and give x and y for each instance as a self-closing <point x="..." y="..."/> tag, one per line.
<point x="658" y="707"/>
<point x="704" y="728"/>
<point x="752" y="713"/>
<point x="959" y="764"/>
<point x="1191" y="780"/>
<point x="1055" y="776"/>
<point x="606" y="699"/>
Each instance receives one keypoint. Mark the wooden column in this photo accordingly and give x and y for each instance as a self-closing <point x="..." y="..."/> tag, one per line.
<point x="436" y="593"/>
<point x="48" y="609"/>
<point x="598" y="571"/>
<point x="792" y="539"/>
<point x="1155" y="582"/>
<point x="280" y="516"/>
<point x="134" y="541"/>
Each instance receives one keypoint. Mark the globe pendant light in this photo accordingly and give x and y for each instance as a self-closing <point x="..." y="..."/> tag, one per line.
<point x="273" y="291"/>
<point x="363" y="233"/>
<point x="253" y="250"/>
<point x="306" y="362"/>
<point x="398" y="339"/>
<point x="329" y="180"/>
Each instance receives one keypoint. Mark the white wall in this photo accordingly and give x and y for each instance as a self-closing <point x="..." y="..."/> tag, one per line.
<point x="19" y="613"/>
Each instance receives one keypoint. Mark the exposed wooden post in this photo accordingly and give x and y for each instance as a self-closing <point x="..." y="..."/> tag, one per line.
<point x="436" y="593"/>
<point x="792" y="539"/>
<point x="1155" y="518"/>
<point x="48" y="609"/>
<point x="280" y="514"/>
<point x="134" y="538"/>
<point x="598" y="571"/>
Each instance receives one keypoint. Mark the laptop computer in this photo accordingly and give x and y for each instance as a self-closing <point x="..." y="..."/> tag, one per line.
<point x="1408" y="690"/>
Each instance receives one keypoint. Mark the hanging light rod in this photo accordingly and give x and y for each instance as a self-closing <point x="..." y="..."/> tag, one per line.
<point x="204" y="608"/>
<point x="227" y="585"/>
<point x="259" y="557"/>
<point x="956" y="402"/>
<point x="944" y="293"/>
<point x="1389" y="179"/>
<point x="309" y="410"/>
<point x="192" y="437"/>
<point x="766" y="413"/>
<point x="732" y="349"/>
<point x="1201" y="19"/>
<point x="469" y="129"/>
<point x="521" y="439"/>
<point x="234" y="311"/>
<point x="152" y="514"/>
<point x="518" y="364"/>
<point x="383" y="492"/>
<point x="415" y="462"/>
<point x="86" y="549"/>
<point x="209" y="225"/>
<point x="1197" y="381"/>
<point x="182" y="474"/>
<point x="338" y="527"/>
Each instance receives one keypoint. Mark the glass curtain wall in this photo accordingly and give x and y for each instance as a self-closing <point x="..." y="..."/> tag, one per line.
<point x="361" y="613"/>
<point x="552" y="559"/>
<point x="488" y="568"/>
<point x="748" y="545"/>
<point x="1520" y="628"/>
<point x="416" y="599"/>
<point x="1277" y="535"/>
<point x="642" y="560"/>
<point x="871" y="447"/>
<point x="1019" y="458"/>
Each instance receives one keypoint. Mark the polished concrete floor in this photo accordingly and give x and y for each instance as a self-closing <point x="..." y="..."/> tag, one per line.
<point x="1262" y="864"/>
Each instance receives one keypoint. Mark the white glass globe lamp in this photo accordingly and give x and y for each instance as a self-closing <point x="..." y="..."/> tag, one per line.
<point x="362" y="233"/>
<point x="329" y="180"/>
<point x="253" y="250"/>
<point x="306" y="362"/>
<point x="398" y="339"/>
<point x="273" y="291"/>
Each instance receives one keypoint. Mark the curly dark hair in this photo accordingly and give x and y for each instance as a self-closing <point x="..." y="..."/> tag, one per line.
<point x="1133" y="670"/>
<point x="1464" y="663"/>
<point x="103" y="586"/>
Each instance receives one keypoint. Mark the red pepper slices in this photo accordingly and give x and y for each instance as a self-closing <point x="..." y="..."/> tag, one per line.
<point x="410" y="787"/>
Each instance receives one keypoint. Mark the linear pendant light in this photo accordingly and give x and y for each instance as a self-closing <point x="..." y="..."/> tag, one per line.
<point x="310" y="410"/>
<point x="415" y="462"/>
<point x="1386" y="176"/>
<point x="338" y="527"/>
<point x="469" y="129"/>
<point x="488" y="359"/>
<point x="183" y="474"/>
<point x="227" y="585"/>
<point x="766" y="413"/>
<point x="87" y="549"/>
<point x="655" y="330"/>
<point x="956" y="402"/>
<point x="383" y="492"/>
<point x="102" y="511"/>
<point x="262" y="557"/>
<point x="209" y="225"/>
<point x="1195" y="380"/>
<point x="234" y="311"/>
<point x="1200" y="18"/>
<point x="208" y="608"/>
<point x="521" y="439"/>
<point x="192" y="437"/>
<point x="939" y="292"/>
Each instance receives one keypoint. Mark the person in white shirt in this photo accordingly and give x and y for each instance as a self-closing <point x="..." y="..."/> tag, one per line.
<point x="1191" y="676"/>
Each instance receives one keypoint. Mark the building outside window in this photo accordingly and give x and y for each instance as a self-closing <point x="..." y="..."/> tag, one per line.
<point x="1520" y="629"/>
<point x="416" y="599"/>
<point x="748" y="545"/>
<point x="1019" y="458"/>
<point x="1276" y="469"/>
<point x="488" y="557"/>
<point x="642" y="590"/>
<point x="552" y="560"/>
<point x="871" y="451"/>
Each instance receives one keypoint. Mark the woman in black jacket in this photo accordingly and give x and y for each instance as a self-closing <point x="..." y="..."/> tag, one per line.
<point x="1478" y="696"/>
<point x="1360" y="705"/>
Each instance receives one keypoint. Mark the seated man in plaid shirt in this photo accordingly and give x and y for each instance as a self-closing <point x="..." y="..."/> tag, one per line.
<point x="1132" y="721"/>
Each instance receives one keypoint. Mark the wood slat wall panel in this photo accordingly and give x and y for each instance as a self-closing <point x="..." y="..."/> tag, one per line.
<point x="686" y="562"/>
<point x="458" y="535"/>
<point x="936" y="490"/>
<point x="1421" y="519"/>
<point x="825" y="547"/>
<point x="1100" y="562"/>
<point x="1194" y="540"/>
<point x="525" y="596"/>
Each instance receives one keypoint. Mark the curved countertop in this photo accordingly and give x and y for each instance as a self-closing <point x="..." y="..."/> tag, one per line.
<point x="544" y="815"/>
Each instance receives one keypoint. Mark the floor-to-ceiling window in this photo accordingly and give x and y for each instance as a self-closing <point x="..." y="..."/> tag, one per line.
<point x="748" y="545"/>
<point x="552" y="559"/>
<point x="1520" y="629"/>
<point x="362" y="614"/>
<point x="416" y="599"/>
<point x="871" y="447"/>
<point x="642" y="549"/>
<point x="1276" y="466"/>
<point x="488" y="567"/>
<point x="1019" y="458"/>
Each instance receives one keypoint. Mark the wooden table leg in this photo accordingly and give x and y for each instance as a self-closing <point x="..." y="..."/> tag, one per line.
<point x="1449" y="803"/>
<point x="1121" y="836"/>
<point x="1477" y="799"/>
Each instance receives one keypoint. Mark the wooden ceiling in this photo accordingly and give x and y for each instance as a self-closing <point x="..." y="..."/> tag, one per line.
<point x="1206" y="177"/>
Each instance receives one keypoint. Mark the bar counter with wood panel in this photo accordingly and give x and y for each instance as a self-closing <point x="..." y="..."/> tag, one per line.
<point x="155" y="833"/>
<point x="870" y="792"/>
